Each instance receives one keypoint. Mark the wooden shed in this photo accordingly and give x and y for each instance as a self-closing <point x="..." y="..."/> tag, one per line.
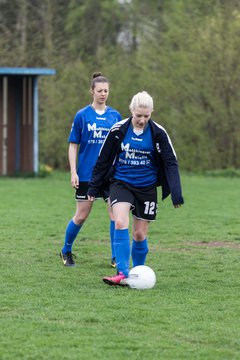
<point x="19" y="119"/>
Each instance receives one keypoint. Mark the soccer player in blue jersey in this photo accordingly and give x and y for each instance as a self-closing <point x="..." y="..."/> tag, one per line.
<point x="137" y="156"/>
<point x="89" y="130"/>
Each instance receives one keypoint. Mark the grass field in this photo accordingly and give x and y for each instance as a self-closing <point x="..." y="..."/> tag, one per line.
<point x="52" y="312"/>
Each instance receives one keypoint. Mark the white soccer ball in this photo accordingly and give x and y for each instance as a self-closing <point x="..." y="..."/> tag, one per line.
<point x="141" y="277"/>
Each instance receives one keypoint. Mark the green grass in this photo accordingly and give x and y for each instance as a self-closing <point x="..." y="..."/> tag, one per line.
<point x="52" y="312"/>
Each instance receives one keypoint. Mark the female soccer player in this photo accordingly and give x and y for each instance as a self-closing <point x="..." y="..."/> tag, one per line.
<point x="89" y="130"/>
<point x="137" y="156"/>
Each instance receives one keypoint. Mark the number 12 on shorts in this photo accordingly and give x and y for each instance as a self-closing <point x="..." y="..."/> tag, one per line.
<point x="149" y="207"/>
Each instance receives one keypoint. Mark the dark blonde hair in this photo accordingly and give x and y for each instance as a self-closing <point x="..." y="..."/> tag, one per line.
<point x="97" y="77"/>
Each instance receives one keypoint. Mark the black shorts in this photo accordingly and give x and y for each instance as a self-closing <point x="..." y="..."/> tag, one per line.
<point x="143" y="200"/>
<point x="81" y="192"/>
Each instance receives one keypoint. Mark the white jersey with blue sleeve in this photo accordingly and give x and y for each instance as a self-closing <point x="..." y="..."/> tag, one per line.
<point x="89" y="130"/>
<point x="135" y="163"/>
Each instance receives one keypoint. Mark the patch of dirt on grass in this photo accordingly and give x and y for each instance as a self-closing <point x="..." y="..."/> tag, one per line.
<point x="225" y="244"/>
<point x="191" y="246"/>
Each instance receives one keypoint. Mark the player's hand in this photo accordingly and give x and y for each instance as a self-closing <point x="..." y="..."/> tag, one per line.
<point x="75" y="180"/>
<point x="91" y="198"/>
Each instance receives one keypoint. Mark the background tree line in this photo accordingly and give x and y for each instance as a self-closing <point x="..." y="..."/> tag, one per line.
<point x="185" y="53"/>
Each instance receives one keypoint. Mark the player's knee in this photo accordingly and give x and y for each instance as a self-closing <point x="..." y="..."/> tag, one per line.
<point x="79" y="219"/>
<point x="120" y="224"/>
<point x="139" y="235"/>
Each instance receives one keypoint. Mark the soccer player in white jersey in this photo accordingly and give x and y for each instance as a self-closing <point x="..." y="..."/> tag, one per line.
<point x="89" y="130"/>
<point x="141" y="156"/>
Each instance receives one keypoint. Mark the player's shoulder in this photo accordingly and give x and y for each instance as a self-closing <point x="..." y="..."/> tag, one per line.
<point x="118" y="124"/>
<point x="112" y="110"/>
<point x="83" y="110"/>
<point x="157" y="127"/>
<point x="82" y="113"/>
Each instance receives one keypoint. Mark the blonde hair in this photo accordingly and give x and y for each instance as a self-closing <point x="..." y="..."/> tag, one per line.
<point x="141" y="99"/>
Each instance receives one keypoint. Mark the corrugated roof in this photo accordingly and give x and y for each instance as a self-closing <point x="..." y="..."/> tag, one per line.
<point x="26" y="71"/>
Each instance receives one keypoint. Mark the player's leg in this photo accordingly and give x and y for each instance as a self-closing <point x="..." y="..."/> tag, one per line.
<point x="139" y="244"/>
<point x="145" y="211"/>
<point x="122" y="201"/>
<point x="121" y="243"/>
<point x="121" y="238"/>
<point x="83" y="209"/>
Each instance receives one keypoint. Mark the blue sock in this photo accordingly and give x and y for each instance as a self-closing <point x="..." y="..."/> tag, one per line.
<point x="112" y="230"/>
<point x="122" y="250"/>
<point x="71" y="234"/>
<point x="139" y="252"/>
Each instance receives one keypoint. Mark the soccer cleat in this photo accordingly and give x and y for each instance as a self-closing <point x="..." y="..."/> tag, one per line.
<point x="119" y="280"/>
<point x="67" y="259"/>
<point x="113" y="263"/>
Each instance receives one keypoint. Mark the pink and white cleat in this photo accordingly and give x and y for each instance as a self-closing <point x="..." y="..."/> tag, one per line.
<point x="119" y="280"/>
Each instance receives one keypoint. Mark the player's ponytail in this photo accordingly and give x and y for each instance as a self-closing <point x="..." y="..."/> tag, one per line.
<point x="97" y="77"/>
<point x="96" y="74"/>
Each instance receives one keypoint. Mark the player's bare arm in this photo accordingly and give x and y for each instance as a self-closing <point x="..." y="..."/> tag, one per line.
<point x="72" y="155"/>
